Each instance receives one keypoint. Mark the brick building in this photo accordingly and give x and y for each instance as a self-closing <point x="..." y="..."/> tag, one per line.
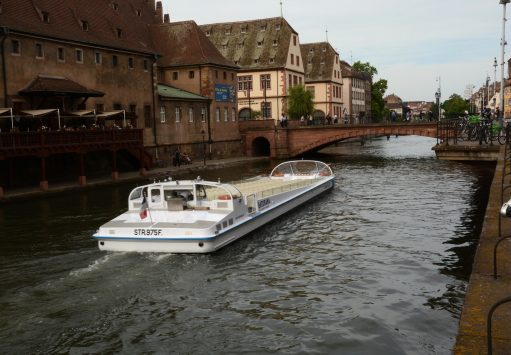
<point x="75" y="55"/>
<point x="268" y="54"/>
<point x="356" y="94"/>
<point x="323" y="78"/>
<point x="191" y="63"/>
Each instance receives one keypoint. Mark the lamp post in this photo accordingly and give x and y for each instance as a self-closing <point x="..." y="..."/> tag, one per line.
<point x="503" y="45"/>
<point x="495" y="64"/>
<point x="203" y="146"/>
<point x="437" y="96"/>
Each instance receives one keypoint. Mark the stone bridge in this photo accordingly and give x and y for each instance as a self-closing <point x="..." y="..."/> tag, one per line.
<point x="262" y="137"/>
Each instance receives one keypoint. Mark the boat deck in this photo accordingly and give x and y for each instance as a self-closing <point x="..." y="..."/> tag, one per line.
<point x="267" y="187"/>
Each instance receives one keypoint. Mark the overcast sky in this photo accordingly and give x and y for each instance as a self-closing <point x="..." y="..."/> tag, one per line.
<point x="410" y="42"/>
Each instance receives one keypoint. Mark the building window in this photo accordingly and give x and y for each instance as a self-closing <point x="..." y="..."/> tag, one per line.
<point x="259" y="43"/>
<point x="292" y="58"/>
<point x="46" y="17"/>
<point x="98" y="58"/>
<point x="275" y="43"/>
<point x="245" y="83"/>
<point x="203" y="114"/>
<point x="190" y="114"/>
<point x="295" y="80"/>
<point x="225" y="75"/>
<point x="294" y="40"/>
<point x="79" y="56"/>
<point x="138" y="12"/>
<point x="243" y="29"/>
<point x="178" y="114"/>
<point x="133" y="110"/>
<point x="163" y="114"/>
<point x="145" y="65"/>
<point x="265" y="81"/>
<point x="39" y="52"/>
<point x="130" y="63"/>
<point x="175" y="75"/>
<point x="298" y="60"/>
<point x="85" y="25"/>
<point x="266" y="109"/>
<point x="277" y="27"/>
<point x="217" y="114"/>
<point x="114" y="61"/>
<point x="290" y="80"/>
<point x="226" y="114"/>
<point x="262" y="28"/>
<point x="233" y="114"/>
<point x="191" y="74"/>
<point x="15" y="47"/>
<point x="147" y="116"/>
<point x="232" y="76"/>
<point x="119" y="32"/>
<point x="227" y="31"/>
<point x="60" y="54"/>
<point x="272" y="60"/>
<point x="115" y="6"/>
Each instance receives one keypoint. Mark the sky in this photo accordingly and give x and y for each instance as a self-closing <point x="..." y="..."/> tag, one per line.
<point x="412" y="43"/>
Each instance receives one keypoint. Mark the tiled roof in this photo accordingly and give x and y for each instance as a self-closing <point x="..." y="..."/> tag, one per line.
<point x="57" y="85"/>
<point x="349" y="72"/>
<point x="392" y="98"/>
<point x="116" y="24"/>
<point x="183" y="43"/>
<point x="318" y="60"/>
<point x="256" y="44"/>
<point x="171" y="92"/>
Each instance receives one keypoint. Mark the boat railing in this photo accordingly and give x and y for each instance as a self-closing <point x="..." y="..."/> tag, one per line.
<point x="285" y="188"/>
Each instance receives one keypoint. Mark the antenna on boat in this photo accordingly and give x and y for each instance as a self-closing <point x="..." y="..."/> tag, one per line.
<point x="219" y="180"/>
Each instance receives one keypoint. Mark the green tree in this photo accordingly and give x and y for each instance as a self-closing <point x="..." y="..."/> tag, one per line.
<point x="377" y="90"/>
<point x="300" y="102"/>
<point x="455" y="106"/>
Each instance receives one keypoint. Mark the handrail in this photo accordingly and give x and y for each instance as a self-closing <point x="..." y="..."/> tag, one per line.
<point x="489" y="323"/>
<point x="495" y="254"/>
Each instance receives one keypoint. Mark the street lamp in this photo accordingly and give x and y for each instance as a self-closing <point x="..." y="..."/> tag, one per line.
<point x="503" y="45"/>
<point x="203" y="146"/>
<point x="437" y="96"/>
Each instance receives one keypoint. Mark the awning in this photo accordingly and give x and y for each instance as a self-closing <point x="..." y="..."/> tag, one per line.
<point x="4" y="110"/>
<point x="83" y="112"/>
<point x="113" y="113"/>
<point x="45" y="85"/>
<point x="37" y="113"/>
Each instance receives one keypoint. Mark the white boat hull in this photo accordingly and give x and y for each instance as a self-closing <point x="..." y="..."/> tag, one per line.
<point x="215" y="242"/>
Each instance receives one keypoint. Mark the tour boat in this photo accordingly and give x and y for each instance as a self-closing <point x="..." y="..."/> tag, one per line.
<point x="197" y="216"/>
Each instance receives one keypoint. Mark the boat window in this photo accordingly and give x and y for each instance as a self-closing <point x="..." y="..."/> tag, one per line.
<point x="136" y="194"/>
<point x="155" y="195"/>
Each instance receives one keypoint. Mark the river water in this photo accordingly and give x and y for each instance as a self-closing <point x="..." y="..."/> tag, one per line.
<point x="378" y="266"/>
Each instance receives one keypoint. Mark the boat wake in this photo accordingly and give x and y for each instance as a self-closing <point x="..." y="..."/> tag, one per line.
<point x="96" y="264"/>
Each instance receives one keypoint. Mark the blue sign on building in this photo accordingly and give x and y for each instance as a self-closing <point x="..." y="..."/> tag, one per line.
<point x="224" y="93"/>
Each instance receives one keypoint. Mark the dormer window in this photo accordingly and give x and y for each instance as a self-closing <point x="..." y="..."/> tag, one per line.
<point x="119" y="32"/>
<point x="272" y="60"/>
<point x="275" y="43"/>
<point x="256" y="61"/>
<point x="227" y="31"/>
<point x="208" y="33"/>
<point x="277" y="27"/>
<point x="262" y="28"/>
<point x="323" y="49"/>
<point x="244" y="29"/>
<point x="311" y="50"/>
<point x="85" y="25"/>
<point x="259" y="43"/>
<point x="138" y="12"/>
<point x="46" y="17"/>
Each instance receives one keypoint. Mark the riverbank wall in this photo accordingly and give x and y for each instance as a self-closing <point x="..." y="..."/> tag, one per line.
<point x="197" y="166"/>
<point x="484" y="289"/>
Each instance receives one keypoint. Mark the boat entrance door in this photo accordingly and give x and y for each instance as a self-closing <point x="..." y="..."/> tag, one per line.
<point x="251" y="204"/>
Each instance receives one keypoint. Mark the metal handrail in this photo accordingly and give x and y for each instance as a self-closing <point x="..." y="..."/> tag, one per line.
<point x="489" y="323"/>
<point x="495" y="254"/>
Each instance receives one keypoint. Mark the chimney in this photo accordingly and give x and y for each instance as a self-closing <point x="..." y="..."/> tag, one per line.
<point x="166" y="18"/>
<point x="159" y="12"/>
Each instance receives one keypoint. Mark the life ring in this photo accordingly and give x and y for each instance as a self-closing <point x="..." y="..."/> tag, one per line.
<point x="278" y="174"/>
<point x="224" y="197"/>
<point x="324" y="173"/>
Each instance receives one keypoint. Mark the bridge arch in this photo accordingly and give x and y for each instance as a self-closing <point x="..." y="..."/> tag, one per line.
<point x="261" y="147"/>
